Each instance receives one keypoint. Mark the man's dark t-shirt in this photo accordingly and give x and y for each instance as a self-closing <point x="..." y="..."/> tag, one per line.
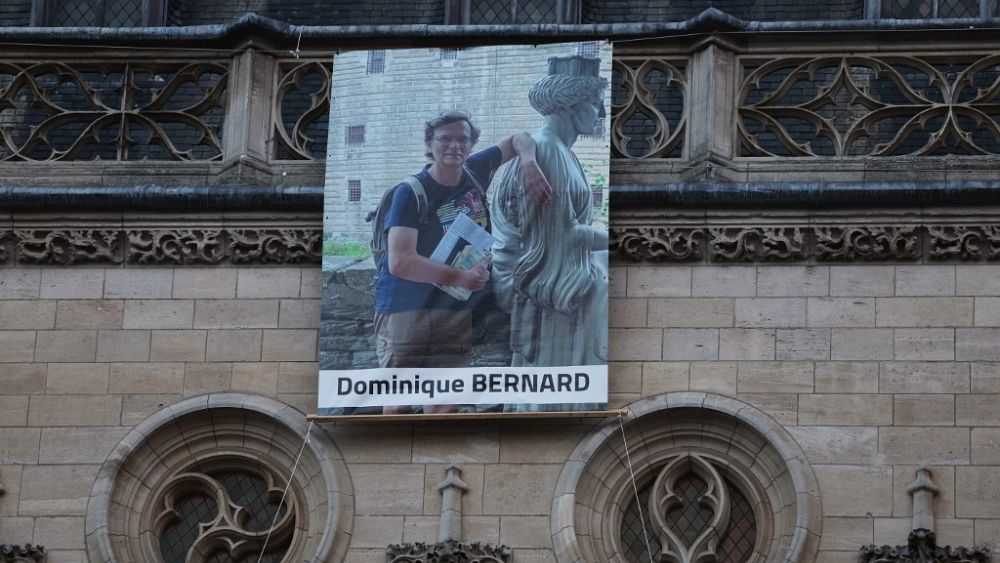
<point x="394" y="294"/>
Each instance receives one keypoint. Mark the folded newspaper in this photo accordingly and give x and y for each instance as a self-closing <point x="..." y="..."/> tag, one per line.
<point x="479" y="244"/>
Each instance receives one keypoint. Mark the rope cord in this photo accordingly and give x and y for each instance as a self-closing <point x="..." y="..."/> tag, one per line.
<point x="285" y="492"/>
<point x="635" y="488"/>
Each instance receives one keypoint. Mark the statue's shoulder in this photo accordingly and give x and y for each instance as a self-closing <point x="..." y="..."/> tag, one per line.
<point x="548" y="145"/>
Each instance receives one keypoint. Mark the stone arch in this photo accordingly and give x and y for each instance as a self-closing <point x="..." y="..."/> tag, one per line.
<point x="212" y="431"/>
<point x="595" y="483"/>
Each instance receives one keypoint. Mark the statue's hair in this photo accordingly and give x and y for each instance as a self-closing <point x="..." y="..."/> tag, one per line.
<point x="446" y="118"/>
<point x="561" y="91"/>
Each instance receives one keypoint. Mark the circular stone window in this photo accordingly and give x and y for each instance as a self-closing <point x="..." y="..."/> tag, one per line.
<point x="705" y="478"/>
<point x="209" y="480"/>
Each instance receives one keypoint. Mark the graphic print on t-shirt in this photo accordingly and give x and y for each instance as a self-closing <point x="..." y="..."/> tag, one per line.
<point x="471" y="204"/>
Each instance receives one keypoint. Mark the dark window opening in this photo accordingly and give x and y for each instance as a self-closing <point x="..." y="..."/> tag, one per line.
<point x="376" y="62"/>
<point x="354" y="191"/>
<point x="355" y="135"/>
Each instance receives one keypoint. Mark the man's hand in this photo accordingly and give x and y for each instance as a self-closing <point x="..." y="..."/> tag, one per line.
<point x="476" y="278"/>
<point x="536" y="187"/>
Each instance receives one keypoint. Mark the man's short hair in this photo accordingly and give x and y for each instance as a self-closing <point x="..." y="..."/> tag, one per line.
<point x="446" y="118"/>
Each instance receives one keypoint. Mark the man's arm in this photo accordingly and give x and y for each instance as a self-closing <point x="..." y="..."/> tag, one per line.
<point x="404" y="262"/>
<point x="523" y="146"/>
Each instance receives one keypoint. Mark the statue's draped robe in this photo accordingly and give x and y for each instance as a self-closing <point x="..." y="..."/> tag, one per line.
<point x="546" y="273"/>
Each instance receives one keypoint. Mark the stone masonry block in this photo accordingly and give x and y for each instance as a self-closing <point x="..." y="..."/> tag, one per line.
<point x="123" y="346"/>
<point x="138" y="407"/>
<point x="987" y="311"/>
<point x="388" y="488"/>
<point x="924" y="410"/>
<point x="59" y="533"/>
<point x="22" y="379"/>
<point x="920" y="312"/>
<point x="138" y="283"/>
<point x="66" y="346"/>
<point x="298" y="377"/>
<point x="977" y="344"/>
<point x="855" y="490"/>
<point x="861" y="344"/>
<point x="312" y="285"/>
<point x="77" y="379"/>
<point x="18" y="446"/>
<point x="659" y="281"/>
<point x="18" y="283"/>
<point x="204" y="283"/>
<point x="625" y="377"/>
<point x="977" y="492"/>
<point x="159" y="313"/>
<point x="17" y="345"/>
<point x="803" y="344"/>
<point x="72" y="283"/>
<point x="845" y="410"/>
<point x="258" y="283"/>
<point x="986" y="377"/>
<point x="74" y="410"/>
<point x="78" y="445"/>
<point x="154" y="377"/>
<point x="977" y="410"/>
<point x="837" y="444"/>
<point x="986" y="446"/>
<point x="847" y="377"/>
<point x="921" y="280"/>
<point x="625" y="313"/>
<point x="862" y="281"/>
<point x="841" y="312"/>
<point x="770" y="312"/>
<point x="793" y="281"/>
<point x="56" y="490"/>
<point x="28" y="315"/>
<point x="519" y="489"/>
<point x="236" y="313"/>
<point x="979" y="279"/>
<point x="782" y="407"/>
<point x="256" y="377"/>
<point x="691" y="344"/>
<point x="13" y="411"/>
<point x="210" y="377"/>
<point x="714" y="377"/>
<point x="923" y="377"/>
<point x="299" y="313"/>
<point x="724" y="281"/>
<point x="631" y="344"/>
<point x="242" y="345"/>
<point x="289" y="345"/>
<point x="617" y="278"/>
<point x="664" y="377"/>
<point x="925" y="344"/>
<point x="746" y="343"/>
<point x="690" y="313"/>
<point x="89" y="313"/>
<point x="436" y="444"/>
<point x="916" y="446"/>
<point x="775" y="377"/>
<point x="845" y="534"/>
<point x="177" y="346"/>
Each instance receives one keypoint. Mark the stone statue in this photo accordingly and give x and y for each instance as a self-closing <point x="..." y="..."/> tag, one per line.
<point x="550" y="264"/>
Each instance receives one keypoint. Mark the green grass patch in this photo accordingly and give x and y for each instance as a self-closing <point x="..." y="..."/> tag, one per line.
<point x="352" y="249"/>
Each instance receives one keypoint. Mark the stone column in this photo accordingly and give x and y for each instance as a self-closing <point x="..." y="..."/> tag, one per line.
<point x="451" y="489"/>
<point x="923" y="491"/>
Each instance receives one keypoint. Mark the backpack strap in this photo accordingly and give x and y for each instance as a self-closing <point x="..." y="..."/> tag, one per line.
<point x="421" y="194"/>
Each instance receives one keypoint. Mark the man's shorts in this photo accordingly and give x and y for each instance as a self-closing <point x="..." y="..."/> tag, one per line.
<point x="424" y="338"/>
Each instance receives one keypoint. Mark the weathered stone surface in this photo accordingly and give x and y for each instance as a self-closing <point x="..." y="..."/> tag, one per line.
<point x="89" y="313"/>
<point x="841" y="312"/>
<point x="123" y="345"/>
<point x="22" y="379"/>
<point x="138" y="283"/>
<point x="847" y="377"/>
<point x="802" y="344"/>
<point x="625" y="313"/>
<point x="177" y="346"/>
<point x="631" y="344"/>
<point x="664" y="377"/>
<point x="977" y="491"/>
<point x="72" y="283"/>
<point x="17" y="283"/>
<point x="204" y="283"/>
<point x="977" y="344"/>
<point x="924" y="410"/>
<point x="690" y="313"/>
<point x="154" y="377"/>
<point x="838" y="444"/>
<point x="925" y="344"/>
<point x="236" y="313"/>
<point x="724" y="281"/>
<point x="793" y="281"/>
<point x="920" y="312"/>
<point x="775" y="377"/>
<point x="77" y="379"/>
<point x="770" y="312"/>
<point x="915" y="446"/>
<point x="861" y="344"/>
<point x="519" y="489"/>
<point x="162" y="314"/>
<point x="845" y="410"/>
<point x="241" y="345"/>
<point x="257" y="283"/>
<point x="17" y="345"/>
<point x="56" y="490"/>
<point x="747" y="343"/>
<point x="714" y="377"/>
<point x="924" y="377"/>
<point x="388" y="489"/>
<point x="855" y="490"/>
<point x="659" y="281"/>
<point x="690" y="344"/>
<point x="66" y="346"/>
<point x="78" y="445"/>
<point x="862" y="281"/>
<point x="921" y="280"/>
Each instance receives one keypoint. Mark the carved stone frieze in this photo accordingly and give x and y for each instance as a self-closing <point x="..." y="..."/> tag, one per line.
<point x="863" y="242"/>
<point x="964" y="242"/>
<point x="656" y="244"/>
<point x="757" y="244"/>
<point x="922" y="548"/>
<point x="275" y="245"/>
<point x="213" y="245"/>
<point x="178" y="246"/>
<point x="448" y="551"/>
<point x="69" y="246"/>
<point x="23" y="553"/>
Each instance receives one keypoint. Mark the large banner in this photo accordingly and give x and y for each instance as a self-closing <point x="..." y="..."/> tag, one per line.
<point x="465" y="262"/>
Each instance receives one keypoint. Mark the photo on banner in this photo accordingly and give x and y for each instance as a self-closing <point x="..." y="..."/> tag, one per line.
<point x="465" y="235"/>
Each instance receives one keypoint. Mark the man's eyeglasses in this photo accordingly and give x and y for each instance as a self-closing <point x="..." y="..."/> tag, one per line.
<point x="446" y="140"/>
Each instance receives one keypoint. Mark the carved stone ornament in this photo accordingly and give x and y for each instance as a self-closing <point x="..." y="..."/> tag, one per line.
<point x="67" y="247"/>
<point x="755" y="244"/>
<point x="177" y="246"/>
<point x="24" y="553"/>
<point x="922" y="548"/>
<point x="965" y="242"/>
<point x="867" y="243"/>
<point x="656" y="244"/>
<point x="449" y="551"/>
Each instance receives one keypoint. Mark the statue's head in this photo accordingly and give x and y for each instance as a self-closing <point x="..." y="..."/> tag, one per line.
<point x="573" y="88"/>
<point x="449" y="137"/>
